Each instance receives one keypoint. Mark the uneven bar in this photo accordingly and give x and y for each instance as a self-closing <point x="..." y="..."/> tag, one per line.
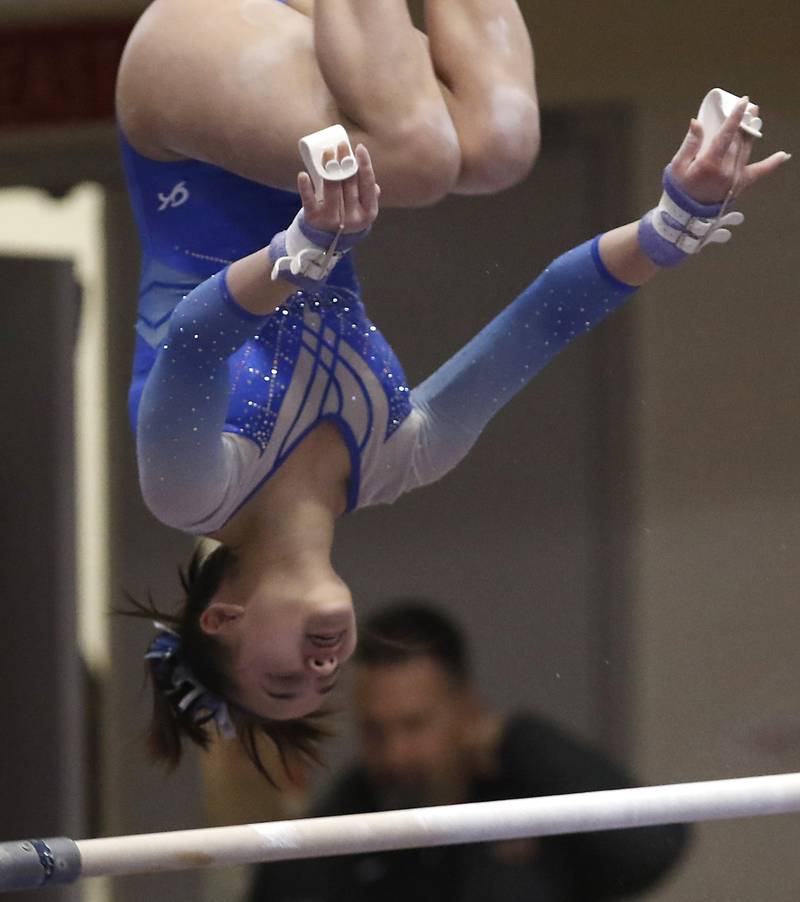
<point x="446" y="825"/>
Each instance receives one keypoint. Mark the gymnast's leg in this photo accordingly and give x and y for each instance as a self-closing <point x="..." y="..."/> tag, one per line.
<point x="476" y="66"/>
<point x="378" y="70"/>
<point x="482" y="54"/>
<point x="237" y="82"/>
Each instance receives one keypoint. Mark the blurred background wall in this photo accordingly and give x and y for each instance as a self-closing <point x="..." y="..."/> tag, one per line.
<point x="690" y="484"/>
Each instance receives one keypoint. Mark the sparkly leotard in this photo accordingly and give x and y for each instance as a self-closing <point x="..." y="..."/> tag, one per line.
<point x="194" y="218"/>
<point x="231" y="394"/>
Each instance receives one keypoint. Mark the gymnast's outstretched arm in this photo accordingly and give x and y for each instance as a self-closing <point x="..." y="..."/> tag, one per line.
<point x="575" y="293"/>
<point x="186" y="463"/>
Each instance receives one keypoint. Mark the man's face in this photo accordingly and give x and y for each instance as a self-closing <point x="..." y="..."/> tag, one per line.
<point x="412" y="718"/>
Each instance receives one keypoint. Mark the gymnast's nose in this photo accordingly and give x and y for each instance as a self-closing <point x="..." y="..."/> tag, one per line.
<point x="323" y="665"/>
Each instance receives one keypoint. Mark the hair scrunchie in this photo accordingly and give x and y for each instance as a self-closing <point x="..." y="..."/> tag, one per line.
<point x="185" y="692"/>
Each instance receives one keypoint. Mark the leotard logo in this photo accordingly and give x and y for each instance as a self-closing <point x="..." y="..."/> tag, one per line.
<point x="176" y="198"/>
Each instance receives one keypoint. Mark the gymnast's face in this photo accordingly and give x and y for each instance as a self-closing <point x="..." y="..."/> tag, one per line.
<point x="288" y="642"/>
<point x="413" y="720"/>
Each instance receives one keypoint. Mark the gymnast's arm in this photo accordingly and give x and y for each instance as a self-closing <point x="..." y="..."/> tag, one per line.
<point x="573" y="295"/>
<point x="186" y="465"/>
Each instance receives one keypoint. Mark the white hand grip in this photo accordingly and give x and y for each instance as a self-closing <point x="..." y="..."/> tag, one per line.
<point x="717" y="105"/>
<point x="313" y="147"/>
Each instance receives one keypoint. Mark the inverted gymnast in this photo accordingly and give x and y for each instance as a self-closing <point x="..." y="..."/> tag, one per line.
<point x="213" y="95"/>
<point x="272" y="407"/>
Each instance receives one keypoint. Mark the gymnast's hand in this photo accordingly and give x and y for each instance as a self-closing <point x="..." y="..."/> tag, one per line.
<point x="351" y="203"/>
<point x="722" y="167"/>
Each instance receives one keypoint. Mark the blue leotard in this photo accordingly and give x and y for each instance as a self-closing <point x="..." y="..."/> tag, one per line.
<point x="231" y="394"/>
<point x="194" y="218"/>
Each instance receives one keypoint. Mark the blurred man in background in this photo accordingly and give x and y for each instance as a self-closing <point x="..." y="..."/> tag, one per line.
<point x="426" y="738"/>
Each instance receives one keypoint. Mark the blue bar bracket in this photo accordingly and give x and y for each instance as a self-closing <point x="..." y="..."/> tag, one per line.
<point x="37" y="863"/>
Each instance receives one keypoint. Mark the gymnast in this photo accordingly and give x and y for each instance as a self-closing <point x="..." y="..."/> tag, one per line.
<point x="273" y="406"/>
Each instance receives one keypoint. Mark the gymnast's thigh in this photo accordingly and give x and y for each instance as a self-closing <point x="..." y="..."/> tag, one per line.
<point x="230" y="82"/>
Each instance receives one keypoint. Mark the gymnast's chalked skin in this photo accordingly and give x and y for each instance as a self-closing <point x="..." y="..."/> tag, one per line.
<point x="257" y="12"/>
<point x="498" y="31"/>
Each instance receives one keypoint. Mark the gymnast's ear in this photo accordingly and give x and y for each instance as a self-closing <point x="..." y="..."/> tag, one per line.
<point x="218" y="616"/>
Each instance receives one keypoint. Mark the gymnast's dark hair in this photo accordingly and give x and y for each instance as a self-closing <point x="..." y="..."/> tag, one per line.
<point x="410" y="628"/>
<point x="207" y="659"/>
